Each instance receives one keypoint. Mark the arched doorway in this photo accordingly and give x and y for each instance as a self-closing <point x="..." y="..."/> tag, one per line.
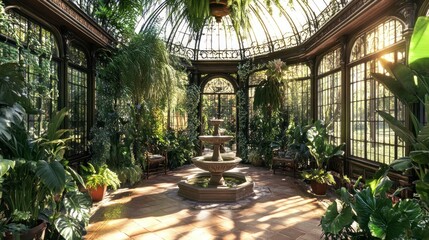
<point x="219" y="101"/>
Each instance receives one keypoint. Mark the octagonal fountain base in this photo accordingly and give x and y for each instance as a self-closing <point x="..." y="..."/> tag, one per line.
<point x="188" y="189"/>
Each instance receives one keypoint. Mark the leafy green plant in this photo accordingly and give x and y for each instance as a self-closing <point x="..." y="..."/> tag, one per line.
<point x="41" y="180"/>
<point x="370" y="214"/>
<point x="410" y="84"/>
<point x="322" y="151"/>
<point x="100" y="176"/>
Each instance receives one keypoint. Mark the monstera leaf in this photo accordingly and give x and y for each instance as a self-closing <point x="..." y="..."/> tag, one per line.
<point x="52" y="174"/>
<point x="334" y="221"/>
<point x="385" y="224"/>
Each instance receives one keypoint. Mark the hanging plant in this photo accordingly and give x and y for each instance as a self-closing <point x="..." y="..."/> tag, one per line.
<point x="198" y="11"/>
<point x="268" y="95"/>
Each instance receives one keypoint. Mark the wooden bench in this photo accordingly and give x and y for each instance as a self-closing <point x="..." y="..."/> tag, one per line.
<point x="284" y="163"/>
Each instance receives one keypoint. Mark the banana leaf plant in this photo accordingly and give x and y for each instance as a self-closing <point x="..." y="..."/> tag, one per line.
<point x="370" y="214"/>
<point x="410" y="84"/>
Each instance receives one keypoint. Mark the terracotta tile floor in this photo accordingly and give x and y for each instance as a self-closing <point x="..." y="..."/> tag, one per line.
<point x="148" y="212"/>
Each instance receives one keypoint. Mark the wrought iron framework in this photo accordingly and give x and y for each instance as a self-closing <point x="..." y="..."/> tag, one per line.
<point x="271" y="30"/>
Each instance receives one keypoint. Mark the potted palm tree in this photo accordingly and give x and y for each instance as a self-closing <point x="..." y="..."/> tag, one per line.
<point x="97" y="179"/>
<point x="321" y="151"/>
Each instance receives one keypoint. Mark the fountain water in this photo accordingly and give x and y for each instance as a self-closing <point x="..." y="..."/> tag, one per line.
<point x="216" y="165"/>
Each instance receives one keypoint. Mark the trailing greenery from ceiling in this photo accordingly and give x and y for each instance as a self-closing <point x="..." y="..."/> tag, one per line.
<point x="197" y="12"/>
<point x="120" y="16"/>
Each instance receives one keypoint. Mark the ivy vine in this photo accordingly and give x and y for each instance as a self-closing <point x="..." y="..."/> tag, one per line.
<point x="192" y="101"/>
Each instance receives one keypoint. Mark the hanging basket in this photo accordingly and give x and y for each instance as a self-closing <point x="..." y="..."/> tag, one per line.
<point x="219" y="9"/>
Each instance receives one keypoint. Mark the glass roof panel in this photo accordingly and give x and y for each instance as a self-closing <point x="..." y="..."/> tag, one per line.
<point x="271" y="29"/>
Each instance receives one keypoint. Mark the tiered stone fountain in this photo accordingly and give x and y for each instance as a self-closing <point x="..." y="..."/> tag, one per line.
<point x="217" y="189"/>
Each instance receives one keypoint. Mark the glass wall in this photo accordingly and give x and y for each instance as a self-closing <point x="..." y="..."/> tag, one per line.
<point x="38" y="54"/>
<point x="329" y="93"/>
<point x="78" y="100"/>
<point x="370" y="137"/>
<point x="298" y="93"/>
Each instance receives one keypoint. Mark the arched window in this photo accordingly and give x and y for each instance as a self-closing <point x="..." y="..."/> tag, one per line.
<point x="329" y="93"/>
<point x="219" y="101"/>
<point x="77" y="88"/>
<point x="35" y="47"/>
<point x="298" y="92"/>
<point x="370" y="137"/>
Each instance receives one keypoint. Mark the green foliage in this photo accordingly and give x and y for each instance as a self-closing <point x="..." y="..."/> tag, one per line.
<point x="180" y="149"/>
<point x="269" y="93"/>
<point x="410" y="84"/>
<point x="321" y="151"/>
<point x="296" y="136"/>
<point x="130" y="174"/>
<point x="370" y="214"/>
<point x="119" y="17"/>
<point x="243" y="117"/>
<point x="191" y="105"/>
<point x="263" y="133"/>
<point x="100" y="176"/>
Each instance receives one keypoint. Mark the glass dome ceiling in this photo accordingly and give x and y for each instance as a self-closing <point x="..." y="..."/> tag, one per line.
<point x="285" y="27"/>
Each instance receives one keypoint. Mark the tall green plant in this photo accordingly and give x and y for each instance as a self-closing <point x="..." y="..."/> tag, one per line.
<point x="410" y="84"/>
<point x="41" y="184"/>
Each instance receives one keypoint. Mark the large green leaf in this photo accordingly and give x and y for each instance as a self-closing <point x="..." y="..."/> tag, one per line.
<point x="423" y="135"/>
<point x="422" y="188"/>
<point x="398" y="127"/>
<point x="334" y="221"/>
<point x="364" y="206"/>
<point x="419" y="45"/>
<point x="385" y="224"/>
<point x="52" y="174"/>
<point x="69" y="228"/>
<point x="402" y="164"/>
<point x="421" y="157"/>
<point x="78" y="206"/>
<point x="405" y="76"/>
<point x="5" y="165"/>
<point x="396" y="88"/>
<point x="410" y="210"/>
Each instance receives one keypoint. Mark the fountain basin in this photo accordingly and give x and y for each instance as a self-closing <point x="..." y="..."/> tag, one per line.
<point x="216" y="193"/>
<point x="216" y="168"/>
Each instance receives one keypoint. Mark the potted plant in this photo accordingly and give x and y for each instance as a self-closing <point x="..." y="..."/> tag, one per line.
<point x="37" y="185"/>
<point x="321" y="151"/>
<point x="98" y="179"/>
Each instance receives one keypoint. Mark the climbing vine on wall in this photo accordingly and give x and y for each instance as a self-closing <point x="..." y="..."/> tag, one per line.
<point x="192" y="101"/>
<point x="242" y="125"/>
<point x="244" y="71"/>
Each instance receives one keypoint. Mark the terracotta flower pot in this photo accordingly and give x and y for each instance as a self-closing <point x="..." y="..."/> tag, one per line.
<point x="37" y="233"/>
<point x="219" y="9"/>
<point x="318" y="188"/>
<point x="98" y="193"/>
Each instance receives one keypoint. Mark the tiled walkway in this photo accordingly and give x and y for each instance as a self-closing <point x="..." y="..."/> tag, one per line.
<point x="149" y="211"/>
